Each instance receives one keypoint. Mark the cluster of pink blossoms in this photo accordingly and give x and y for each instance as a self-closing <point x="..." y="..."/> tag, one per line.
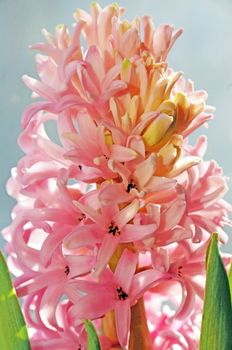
<point x="118" y="211"/>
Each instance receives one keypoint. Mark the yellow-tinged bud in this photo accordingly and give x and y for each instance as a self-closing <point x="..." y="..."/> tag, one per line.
<point x="60" y="27"/>
<point x="115" y="5"/>
<point x="157" y="90"/>
<point x="94" y="4"/>
<point x="156" y="131"/>
<point x="195" y="109"/>
<point x="168" y="155"/>
<point x="108" y="138"/>
<point x="181" y="100"/>
<point x="167" y="107"/>
<point x="126" y="26"/>
<point x="182" y="111"/>
<point x="126" y="123"/>
<point x="133" y="109"/>
<point x="172" y="80"/>
<point x="126" y="70"/>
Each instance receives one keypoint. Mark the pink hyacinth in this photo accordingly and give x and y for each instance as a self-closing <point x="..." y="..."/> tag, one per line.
<point x="113" y="219"/>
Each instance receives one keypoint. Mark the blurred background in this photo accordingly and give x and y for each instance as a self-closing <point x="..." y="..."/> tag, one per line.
<point x="203" y="53"/>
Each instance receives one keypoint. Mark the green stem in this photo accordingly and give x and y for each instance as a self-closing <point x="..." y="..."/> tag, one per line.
<point x="139" y="332"/>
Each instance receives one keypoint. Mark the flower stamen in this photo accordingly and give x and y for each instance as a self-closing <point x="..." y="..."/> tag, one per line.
<point x="113" y="229"/>
<point x="121" y="294"/>
<point x="66" y="270"/>
<point x="82" y="217"/>
<point x="130" y="185"/>
<point x="179" y="271"/>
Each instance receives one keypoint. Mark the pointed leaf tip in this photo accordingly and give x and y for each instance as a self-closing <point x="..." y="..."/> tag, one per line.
<point x="93" y="341"/>
<point x="217" y="313"/>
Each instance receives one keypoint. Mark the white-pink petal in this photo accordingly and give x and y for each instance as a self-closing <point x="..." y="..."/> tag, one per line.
<point x="122" y="154"/>
<point x="93" y="306"/>
<point x="86" y="235"/>
<point x="105" y="252"/>
<point x="80" y="264"/>
<point x="125" y="269"/>
<point x="92" y="214"/>
<point x="123" y="318"/>
<point x="132" y="232"/>
<point x="145" y="170"/>
<point x="142" y="281"/>
<point x="126" y="214"/>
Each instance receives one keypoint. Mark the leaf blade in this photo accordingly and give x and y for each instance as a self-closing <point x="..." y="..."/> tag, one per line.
<point x="230" y="280"/>
<point x="13" y="331"/>
<point x="93" y="341"/>
<point x="217" y="312"/>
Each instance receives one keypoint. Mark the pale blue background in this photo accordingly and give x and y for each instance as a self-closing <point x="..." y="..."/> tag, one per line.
<point x="203" y="53"/>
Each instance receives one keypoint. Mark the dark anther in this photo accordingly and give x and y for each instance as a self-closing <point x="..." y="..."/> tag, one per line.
<point x="79" y="347"/>
<point x="113" y="229"/>
<point x="121" y="294"/>
<point x="130" y="185"/>
<point x="82" y="217"/>
<point x="179" y="271"/>
<point x="107" y="158"/>
<point x="80" y="167"/>
<point x="66" y="270"/>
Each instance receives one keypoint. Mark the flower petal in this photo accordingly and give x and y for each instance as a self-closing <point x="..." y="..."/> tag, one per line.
<point x="123" y="318"/>
<point x="80" y="264"/>
<point x="87" y="235"/>
<point x="93" y="306"/>
<point x="142" y="281"/>
<point x="89" y="212"/>
<point x="122" y="154"/>
<point x="52" y="242"/>
<point x="125" y="269"/>
<point x="40" y="281"/>
<point x="145" y="170"/>
<point x="177" y="234"/>
<point x="106" y="251"/>
<point x="187" y="302"/>
<point x="49" y="303"/>
<point x="114" y="193"/>
<point x="126" y="214"/>
<point x="172" y="215"/>
<point x="160" y="183"/>
<point x="133" y="232"/>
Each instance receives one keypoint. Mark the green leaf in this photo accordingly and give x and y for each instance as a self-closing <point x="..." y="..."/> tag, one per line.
<point x="13" y="331"/>
<point x="217" y="313"/>
<point x="230" y="280"/>
<point x="93" y="342"/>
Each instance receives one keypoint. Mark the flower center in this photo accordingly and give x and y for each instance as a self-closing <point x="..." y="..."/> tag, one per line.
<point x="179" y="273"/>
<point x="121" y="294"/>
<point x="113" y="229"/>
<point x="66" y="270"/>
<point x="130" y="185"/>
<point x="82" y="217"/>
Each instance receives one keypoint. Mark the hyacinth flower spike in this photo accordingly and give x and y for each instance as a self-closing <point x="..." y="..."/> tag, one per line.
<point x="116" y="212"/>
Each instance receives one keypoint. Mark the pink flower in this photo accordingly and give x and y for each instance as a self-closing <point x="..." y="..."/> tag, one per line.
<point x="117" y="207"/>
<point x="110" y="229"/>
<point x="54" y="281"/>
<point x="168" y="332"/>
<point x="184" y="263"/>
<point x="118" y="292"/>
